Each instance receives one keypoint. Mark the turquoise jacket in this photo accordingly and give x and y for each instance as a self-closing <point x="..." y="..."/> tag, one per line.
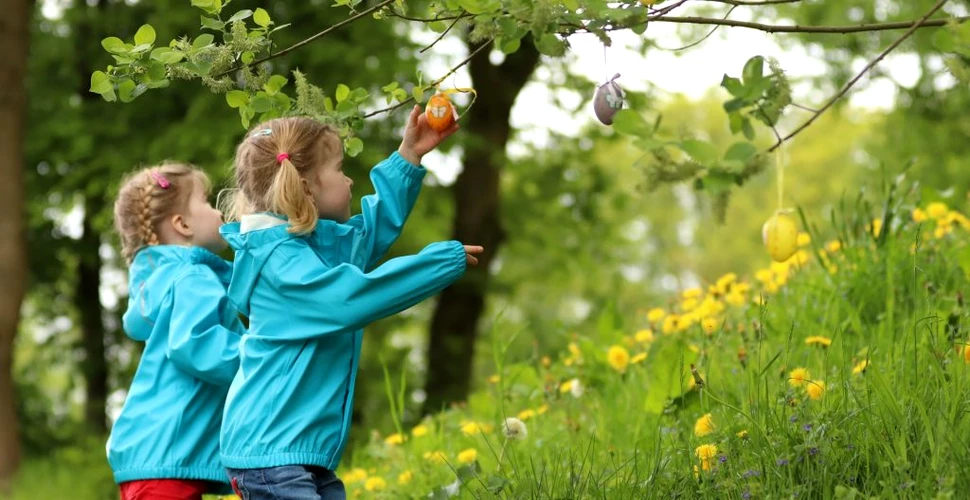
<point x="169" y="425"/>
<point x="307" y="298"/>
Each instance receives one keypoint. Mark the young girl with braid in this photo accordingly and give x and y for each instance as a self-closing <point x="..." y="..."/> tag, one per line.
<point x="304" y="273"/>
<point x="164" y="445"/>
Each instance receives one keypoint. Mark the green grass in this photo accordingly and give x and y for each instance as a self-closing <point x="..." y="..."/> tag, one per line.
<point x="895" y="430"/>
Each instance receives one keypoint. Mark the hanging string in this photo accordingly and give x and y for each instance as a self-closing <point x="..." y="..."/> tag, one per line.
<point x="780" y="167"/>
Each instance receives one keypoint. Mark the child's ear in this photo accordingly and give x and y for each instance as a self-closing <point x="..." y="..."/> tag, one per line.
<point x="181" y="227"/>
<point x="306" y="187"/>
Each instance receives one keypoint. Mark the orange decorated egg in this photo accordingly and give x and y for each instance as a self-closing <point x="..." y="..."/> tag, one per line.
<point x="440" y="112"/>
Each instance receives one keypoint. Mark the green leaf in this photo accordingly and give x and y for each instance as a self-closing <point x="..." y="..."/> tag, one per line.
<point x="400" y="95"/>
<point x="390" y="87"/>
<point x="473" y="6"/>
<point x="667" y="373"/>
<point x="550" y="45"/>
<point x="203" y="40"/>
<point x="239" y="16"/>
<point x="511" y="46"/>
<point x="328" y="104"/>
<point x="109" y="96"/>
<point x="237" y="98"/>
<point x="734" y="104"/>
<point x="943" y="40"/>
<point x="261" y="17"/>
<point x="717" y="182"/>
<point x="418" y="94"/>
<point x="210" y="6"/>
<point x="101" y="83"/>
<point x="702" y="152"/>
<point x="145" y="35"/>
<point x="748" y="129"/>
<point x="628" y="121"/>
<point x="156" y="71"/>
<point x="114" y="45"/>
<point x="359" y="95"/>
<point x="741" y="151"/>
<point x="166" y="55"/>
<point x="639" y="28"/>
<point x="212" y="23"/>
<point x="735" y="120"/>
<point x="248" y="57"/>
<point x="753" y="71"/>
<point x="261" y="102"/>
<point x="343" y="92"/>
<point x="346" y="108"/>
<point x="733" y="85"/>
<point x="125" y="90"/>
<point x="438" y="26"/>
<point x="353" y="146"/>
<point x="274" y="84"/>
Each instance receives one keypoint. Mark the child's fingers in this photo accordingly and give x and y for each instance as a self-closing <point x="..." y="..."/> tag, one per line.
<point x="472" y="261"/>
<point x="415" y="113"/>
<point x="473" y="249"/>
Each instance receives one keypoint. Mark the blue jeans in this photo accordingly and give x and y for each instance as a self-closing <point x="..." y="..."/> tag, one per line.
<point x="289" y="482"/>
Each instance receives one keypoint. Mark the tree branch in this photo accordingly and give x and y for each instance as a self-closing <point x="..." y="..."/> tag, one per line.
<point x="781" y="28"/>
<point x="297" y="45"/>
<point x="752" y="3"/>
<point x="708" y="35"/>
<point x="852" y="82"/>
<point x="434" y="83"/>
<point x="445" y="32"/>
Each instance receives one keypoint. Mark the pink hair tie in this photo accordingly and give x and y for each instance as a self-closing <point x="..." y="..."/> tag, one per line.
<point x="161" y="180"/>
<point x="282" y="156"/>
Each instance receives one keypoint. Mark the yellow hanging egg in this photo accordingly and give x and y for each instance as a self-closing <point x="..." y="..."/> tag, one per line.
<point x="780" y="236"/>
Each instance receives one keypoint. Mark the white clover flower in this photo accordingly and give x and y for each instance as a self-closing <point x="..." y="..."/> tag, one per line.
<point x="514" y="428"/>
<point x="576" y="388"/>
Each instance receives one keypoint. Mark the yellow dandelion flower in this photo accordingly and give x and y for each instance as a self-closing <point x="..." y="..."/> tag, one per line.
<point x="637" y="358"/>
<point x="542" y="409"/>
<point x="656" y="314"/>
<point x="394" y="439"/>
<point x="565" y="386"/>
<point x="467" y="456"/>
<point x="832" y="268"/>
<point x="526" y="414"/>
<point x="919" y="215"/>
<point x="419" y="430"/>
<point x="798" y="377"/>
<point x="546" y="362"/>
<point x="574" y="350"/>
<point x="860" y="367"/>
<point x="941" y="231"/>
<point x="771" y="287"/>
<point x="818" y="340"/>
<point x="691" y="293"/>
<point x="815" y="389"/>
<point x="875" y="227"/>
<point x="961" y="219"/>
<point x="472" y="429"/>
<point x="966" y="354"/>
<point x="724" y="281"/>
<point x="688" y="305"/>
<point x="355" y="475"/>
<point x="436" y="456"/>
<point x="764" y="275"/>
<point x="743" y="434"/>
<point x="833" y="246"/>
<point x="710" y="325"/>
<point x="375" y="484"/>
<point x="493" y="379"/>
<point x="735" y="298"/>
<point x="644" y="336"/>
<point x="706" y="453"/>
<point x="618" y="357"/>
<point x="405" y="477"/>
<point x="704" y="425"/>
<point x="804" y="239"/>
<point x="670" y="324"/>
<point x="937" y="210"/>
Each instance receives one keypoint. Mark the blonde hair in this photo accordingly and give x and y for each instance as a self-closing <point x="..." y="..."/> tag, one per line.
<point x="147" y="197"/>
<point x="266" y="184"/>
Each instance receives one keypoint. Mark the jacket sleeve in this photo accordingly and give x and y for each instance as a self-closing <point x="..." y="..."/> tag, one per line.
<point x="397" y="184"/>
<point x="198" y="343"/>
<point x="322" y="301"/>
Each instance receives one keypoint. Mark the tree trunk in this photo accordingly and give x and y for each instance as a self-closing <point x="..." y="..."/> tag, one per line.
<point x="454" y="327"/>
<point x="14" y="38"/>
<point x="88" y="303"/>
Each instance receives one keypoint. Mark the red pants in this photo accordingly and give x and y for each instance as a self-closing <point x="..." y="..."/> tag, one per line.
<point x="163" y="489"/>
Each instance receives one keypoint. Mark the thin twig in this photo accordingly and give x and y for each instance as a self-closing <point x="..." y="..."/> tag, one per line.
<point x="434" y="83"/>
<point x="661" y="12"/>
<point x="312" y="38"/>
<point x="422" y="20"/>
<point x="806" y="108"/>
<point x="852" y="82"/>
<point x="752" y="3"/>
<point x="443" y="33"/>
<point x="708" y="35"/>
<point x="782" y="28"/>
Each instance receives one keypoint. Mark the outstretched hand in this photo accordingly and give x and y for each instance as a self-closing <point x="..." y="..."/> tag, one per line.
<point x="420" y="138"/>
<point x="470" y="252"/>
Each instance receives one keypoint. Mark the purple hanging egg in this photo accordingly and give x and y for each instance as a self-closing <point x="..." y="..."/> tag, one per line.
<point x="608" y="100"/>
